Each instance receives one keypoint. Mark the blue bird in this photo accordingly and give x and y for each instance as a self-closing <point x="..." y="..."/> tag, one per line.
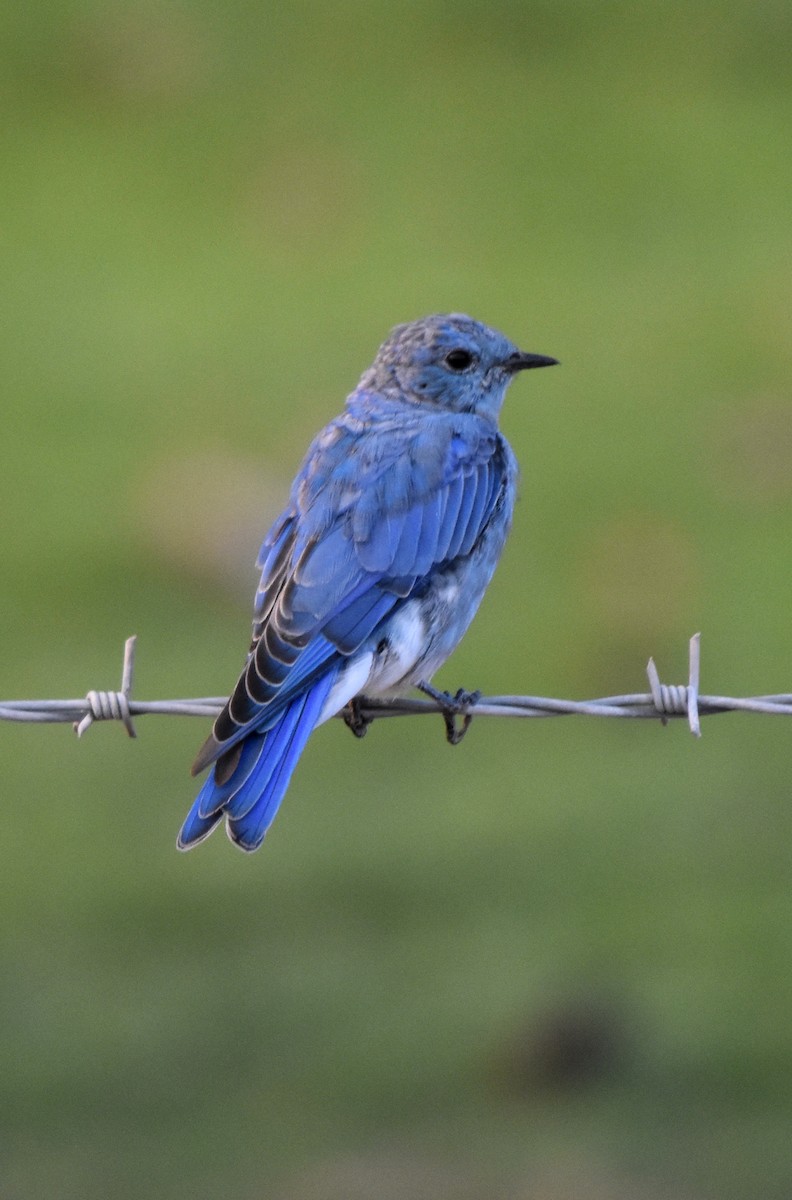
<point x="375" y="568"/>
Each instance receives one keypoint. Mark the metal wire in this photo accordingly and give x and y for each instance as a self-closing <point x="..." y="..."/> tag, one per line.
<point x="663" y="702"/>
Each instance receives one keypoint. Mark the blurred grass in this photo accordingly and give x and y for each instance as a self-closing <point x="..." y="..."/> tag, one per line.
<point x="212" y="216"/>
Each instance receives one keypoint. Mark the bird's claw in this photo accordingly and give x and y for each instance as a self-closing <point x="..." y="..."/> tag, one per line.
<point x="452" y="707"/>
<point x="354" y="717"/>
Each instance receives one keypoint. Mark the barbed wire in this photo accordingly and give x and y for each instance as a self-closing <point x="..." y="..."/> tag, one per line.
<point x="663" y="701"/>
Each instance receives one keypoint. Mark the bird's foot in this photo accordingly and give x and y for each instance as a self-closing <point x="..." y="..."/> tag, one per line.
<point x="452" y="707"/>
<point x="354" y="718"/>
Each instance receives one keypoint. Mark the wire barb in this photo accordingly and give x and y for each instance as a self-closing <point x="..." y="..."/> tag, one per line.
<point x="112" y="706"/>
<point x="676" y="700"/>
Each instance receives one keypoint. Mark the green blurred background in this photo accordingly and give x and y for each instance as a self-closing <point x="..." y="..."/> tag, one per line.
<point x="556" y="961"/>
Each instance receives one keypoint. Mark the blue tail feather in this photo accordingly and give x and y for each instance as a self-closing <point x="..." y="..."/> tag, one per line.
<point x="257" y="780"/>
<point x="248" y="830"/>
<point x="251" y="796"/>
<point x="196" y="827"/>
<point x="213" y="797"/>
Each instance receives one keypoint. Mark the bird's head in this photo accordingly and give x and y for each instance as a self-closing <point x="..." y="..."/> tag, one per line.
<point x="448" y="361"/>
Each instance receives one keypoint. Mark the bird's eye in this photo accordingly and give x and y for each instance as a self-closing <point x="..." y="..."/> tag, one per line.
<point x="459" y="360"/>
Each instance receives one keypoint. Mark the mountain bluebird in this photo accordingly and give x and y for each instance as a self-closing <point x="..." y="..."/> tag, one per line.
<point x="375" y="568"/>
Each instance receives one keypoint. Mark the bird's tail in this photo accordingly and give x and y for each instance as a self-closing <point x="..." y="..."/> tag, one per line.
<point x="251" y="796"/>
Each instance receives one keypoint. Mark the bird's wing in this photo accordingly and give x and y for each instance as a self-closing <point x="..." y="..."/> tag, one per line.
<point x="368" y="518"/>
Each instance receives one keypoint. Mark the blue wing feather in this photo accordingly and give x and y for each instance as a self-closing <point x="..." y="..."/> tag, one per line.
<point x="427" y="541"/>
<point x="480" y="485"/>
<point x="466" y="504"/>
<point x="350" y="628"/>
<point x="404" y="556"/>
<point x="455" y="493"/>
<point x="314" y="661"/>
<point x="377" y="553"/>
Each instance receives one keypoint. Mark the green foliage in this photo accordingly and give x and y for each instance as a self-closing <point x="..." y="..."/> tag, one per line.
<point x="212" y="215"/>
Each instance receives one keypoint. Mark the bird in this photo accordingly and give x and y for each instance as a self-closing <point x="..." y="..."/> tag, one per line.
<point x="375" y="568"/>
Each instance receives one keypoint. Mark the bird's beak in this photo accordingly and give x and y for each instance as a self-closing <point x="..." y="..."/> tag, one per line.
<point x="521" y="361"/>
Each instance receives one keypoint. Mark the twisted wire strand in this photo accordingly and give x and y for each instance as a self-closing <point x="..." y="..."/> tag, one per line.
<point x="663" y="702"/>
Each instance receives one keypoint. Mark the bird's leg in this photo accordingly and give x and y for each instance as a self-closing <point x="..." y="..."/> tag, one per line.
<point x="452" y="707"/>
<point x="354" y="718"/>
